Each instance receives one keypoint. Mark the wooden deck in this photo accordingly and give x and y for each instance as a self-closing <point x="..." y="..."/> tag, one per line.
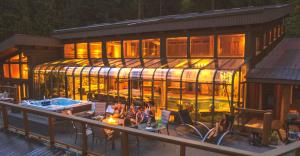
<point x="15" y="145"/>
<point x="146" y="147"/>
<point x="61" y="135"/>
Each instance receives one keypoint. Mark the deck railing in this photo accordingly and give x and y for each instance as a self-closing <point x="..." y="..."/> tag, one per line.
<point x="291" y="149"/>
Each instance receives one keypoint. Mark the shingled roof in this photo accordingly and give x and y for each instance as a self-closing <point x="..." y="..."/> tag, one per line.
<point x="197" y="20"/>
<point x="281" y="65"/>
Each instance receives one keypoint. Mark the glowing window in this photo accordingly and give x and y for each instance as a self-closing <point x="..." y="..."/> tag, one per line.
<point x="151" y="48"/>
<point x="24" y="58"/>
<point x="231" y="45"/>
<point x="15" y="71"/>
<point x="6" y="70"/>
<point x="69" y="51"/>
<point x="202" y="46"/>
<point x="177" y="47"/>
<point x="81" y="50"/>
<point x="131" y="48"/>
<point x="96" y="49"/>
<point x="113" y="49"/>
<point x="24" y="71"/>
<point x="15" y="58"/>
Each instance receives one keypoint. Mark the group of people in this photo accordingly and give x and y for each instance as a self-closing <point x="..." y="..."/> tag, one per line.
<point x="134" y="115"/>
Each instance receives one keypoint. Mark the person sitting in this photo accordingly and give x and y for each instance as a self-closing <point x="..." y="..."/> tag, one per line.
<point x="118" y="110"/>
<point x="140" y="116"/>
<point x="148" y="113"/>
<point x="220" y="127"/>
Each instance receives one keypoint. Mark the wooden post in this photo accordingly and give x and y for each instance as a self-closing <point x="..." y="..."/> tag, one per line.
<point x="182" y="150"/>
<point x="125" y="149"/>
<point x="25" y="122"/>
<point x="84" y="139"/>
<point x="267" y="127"/>
<point x="51" y="131"/>
<point x="297" y="151"/>
<point x="4" y="118"/>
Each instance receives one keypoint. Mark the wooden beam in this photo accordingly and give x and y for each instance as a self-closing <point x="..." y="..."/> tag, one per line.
<point x="267" y="127"/>
<point x="4" y="118"/>
<point x="51" y="131"/>
<point x="84" y="145"/>
<point x="25" y="123"/>
<point x="125" y="148"/>
<point x="182" y="150"/>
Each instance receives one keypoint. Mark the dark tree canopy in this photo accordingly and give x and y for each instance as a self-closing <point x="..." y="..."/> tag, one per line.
<point x="41" y="17"/>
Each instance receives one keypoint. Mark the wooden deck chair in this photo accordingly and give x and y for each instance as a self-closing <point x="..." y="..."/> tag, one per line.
<point x="200" y="128"/>
<point x="219" y="138"/>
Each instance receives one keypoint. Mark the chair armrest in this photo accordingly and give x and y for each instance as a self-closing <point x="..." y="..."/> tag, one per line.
<point x="202" y="124"/>
<point x="207" y="134"/>
<point x="195" y="129"/>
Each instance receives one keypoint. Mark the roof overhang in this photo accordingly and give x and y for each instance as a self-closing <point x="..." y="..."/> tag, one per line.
<point x="208" y="19"/>
<point x="10" y="45"/>
<point x="280" y="66"/>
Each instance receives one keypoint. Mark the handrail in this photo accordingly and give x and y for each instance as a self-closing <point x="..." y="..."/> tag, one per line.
<point x="249" y="110"/>
<point x="125" y="131"/>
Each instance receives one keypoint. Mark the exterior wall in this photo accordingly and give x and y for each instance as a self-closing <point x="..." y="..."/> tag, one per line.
<point x="38" y="56"/>
<point x="268" y="96"/>
<point x="35" y="55"/>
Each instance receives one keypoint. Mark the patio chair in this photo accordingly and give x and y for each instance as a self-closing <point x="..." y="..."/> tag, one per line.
<point x="100" y="108"/>
<point x="219" y="138"/>
<point x="200" y="128"/>
<point x="78" y="130"/>
<point x="98" y="134"/>
<point x="165" y="116"/>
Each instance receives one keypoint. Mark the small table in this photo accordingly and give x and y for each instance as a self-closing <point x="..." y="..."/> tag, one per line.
<point x="154" y="128"/>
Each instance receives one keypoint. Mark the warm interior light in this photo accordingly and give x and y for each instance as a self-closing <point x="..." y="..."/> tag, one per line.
<point x="202" y="63"/>
<point x="111" y="120"/>
<point x="96" y="49"/>
<point x="113" y="49"/>
<point x="158" y="114"/>
<point x="69" y="50"/>
<point x="81" y="50"/>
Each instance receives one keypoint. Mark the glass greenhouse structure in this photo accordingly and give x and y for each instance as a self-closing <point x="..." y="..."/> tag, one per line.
<point x="208" y="85"/>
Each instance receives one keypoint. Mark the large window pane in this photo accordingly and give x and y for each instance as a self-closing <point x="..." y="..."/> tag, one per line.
<point x="151" y="48"/>
<point x="202" y="46"/>
<point x="131" y="48"/>
<point x="6" y="70"/>
<point x="15" y="71"/>
<point x="81" y="50"/>
<point x="113" y="49"/>
<point x="96" y="49"/>
<point x="177" y="47"/>
<point x="231" y="45"/>
<point x="24" y="71"/>
<point x="69" y="51"/>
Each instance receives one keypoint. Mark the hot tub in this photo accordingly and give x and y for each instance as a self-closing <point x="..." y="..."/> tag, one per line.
<point x="58" y="105"/>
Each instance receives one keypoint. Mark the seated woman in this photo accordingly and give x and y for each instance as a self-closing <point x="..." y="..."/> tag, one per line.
<point x="148" y="113"/>
<point x="221" y="127"/>
<point x="130" y="116"/>
<point x="118" y="110"/>
<point x="140" y="116"/>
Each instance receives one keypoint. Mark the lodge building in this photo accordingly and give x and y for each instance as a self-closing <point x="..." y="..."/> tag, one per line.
<point x="201" y="60"/>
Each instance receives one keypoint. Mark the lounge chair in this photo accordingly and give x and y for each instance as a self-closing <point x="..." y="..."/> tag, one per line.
<point x="219" y="138"/>
<point x="200" y="128"/>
